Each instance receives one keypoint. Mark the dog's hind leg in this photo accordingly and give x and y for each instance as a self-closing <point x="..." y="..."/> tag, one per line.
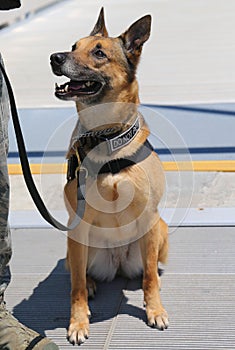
<point x="67" y="262"/>
<point x="91" y="287"/>
<point x="151" y="250"/>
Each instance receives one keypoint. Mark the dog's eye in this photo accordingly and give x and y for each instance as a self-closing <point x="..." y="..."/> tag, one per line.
<point x="100" y="54"/>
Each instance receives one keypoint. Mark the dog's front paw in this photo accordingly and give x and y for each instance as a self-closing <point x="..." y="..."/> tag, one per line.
<point x="157" y="318"/>
<point x="78" y="331"/>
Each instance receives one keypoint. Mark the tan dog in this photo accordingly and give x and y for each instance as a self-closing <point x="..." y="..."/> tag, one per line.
<point x="121" y="231"/>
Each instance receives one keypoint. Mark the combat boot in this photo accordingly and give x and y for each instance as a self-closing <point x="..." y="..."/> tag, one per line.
<point x="15" y="336"/>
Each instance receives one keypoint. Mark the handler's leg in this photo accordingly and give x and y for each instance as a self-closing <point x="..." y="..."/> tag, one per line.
<point x="13" y="335"/>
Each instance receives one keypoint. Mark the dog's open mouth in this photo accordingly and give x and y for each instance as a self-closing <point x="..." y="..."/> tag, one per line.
<point x="75" y="89"/>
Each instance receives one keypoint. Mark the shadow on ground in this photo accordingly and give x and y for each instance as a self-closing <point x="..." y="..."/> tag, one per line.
<point x="48" y="307"/>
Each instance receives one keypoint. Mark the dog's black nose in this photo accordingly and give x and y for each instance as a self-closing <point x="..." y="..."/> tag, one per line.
<point x="58" y="58"/>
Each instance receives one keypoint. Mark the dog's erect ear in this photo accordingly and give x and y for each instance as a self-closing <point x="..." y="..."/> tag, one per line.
<point x="99" y="28"/>
<point x="136" y="35"/>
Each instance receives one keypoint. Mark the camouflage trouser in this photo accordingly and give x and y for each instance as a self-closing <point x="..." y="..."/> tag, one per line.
<point x="5" y="239"/>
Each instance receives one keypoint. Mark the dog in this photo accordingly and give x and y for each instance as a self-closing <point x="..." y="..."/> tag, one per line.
<point x="121" y="230"/>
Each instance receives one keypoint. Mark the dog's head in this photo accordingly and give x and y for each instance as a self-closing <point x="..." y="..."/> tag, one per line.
<point x="99" y="67"/>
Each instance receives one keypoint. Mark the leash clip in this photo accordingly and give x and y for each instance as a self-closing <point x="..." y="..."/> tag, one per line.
<point x="80" y="170"/>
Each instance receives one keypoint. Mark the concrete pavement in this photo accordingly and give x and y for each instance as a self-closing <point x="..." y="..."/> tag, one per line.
<point x="189" y="58"/>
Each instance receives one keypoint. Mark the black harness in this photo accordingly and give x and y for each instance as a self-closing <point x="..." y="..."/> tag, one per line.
<point x="80" y="166"/>
<point x="113" y="166"/>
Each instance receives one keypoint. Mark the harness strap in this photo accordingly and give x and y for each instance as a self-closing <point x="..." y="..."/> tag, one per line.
<point x="113" y="166"/>
<point x="28" y="176"/>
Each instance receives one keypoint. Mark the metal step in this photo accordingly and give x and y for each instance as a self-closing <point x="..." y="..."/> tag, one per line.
<point x="197" y="291"/>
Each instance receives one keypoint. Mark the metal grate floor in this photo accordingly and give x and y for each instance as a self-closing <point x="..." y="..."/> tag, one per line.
<point x="197" y="291"/>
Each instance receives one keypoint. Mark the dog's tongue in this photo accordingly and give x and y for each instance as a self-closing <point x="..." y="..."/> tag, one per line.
<point x="75" y="85"/>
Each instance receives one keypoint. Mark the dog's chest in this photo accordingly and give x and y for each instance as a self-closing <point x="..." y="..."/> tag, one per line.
<point x="115" y="201"/>
<point x="114" y="194"/>
<point x="108" y="190"/>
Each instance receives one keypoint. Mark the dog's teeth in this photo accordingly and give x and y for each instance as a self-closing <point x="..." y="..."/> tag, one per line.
<point x="66" y="88"/>
<point x="56" y="86"/>
<point x="88" y="83"/>
<point x="83" y="86"/>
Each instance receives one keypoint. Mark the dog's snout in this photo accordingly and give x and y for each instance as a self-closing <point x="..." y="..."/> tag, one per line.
<point x="58" y="58"/>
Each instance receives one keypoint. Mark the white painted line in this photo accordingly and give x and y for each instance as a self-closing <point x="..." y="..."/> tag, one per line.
<point x="174" y="217"/>
<point x="32" y="219"/>
<point x="199" y="216"/>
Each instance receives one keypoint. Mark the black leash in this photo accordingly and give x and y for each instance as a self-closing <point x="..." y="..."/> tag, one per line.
<point x="28" y="176"/>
